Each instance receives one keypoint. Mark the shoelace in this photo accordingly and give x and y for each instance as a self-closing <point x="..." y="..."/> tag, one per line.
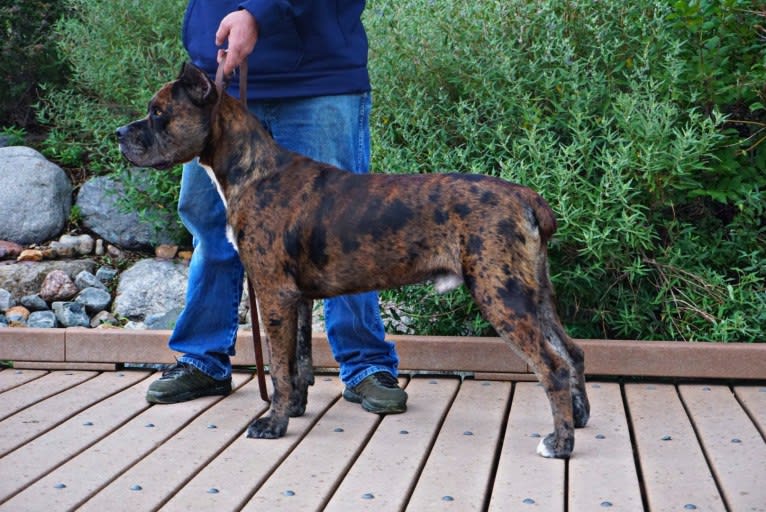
<point x="175" y="370"/>
<point x="386" y="379"/>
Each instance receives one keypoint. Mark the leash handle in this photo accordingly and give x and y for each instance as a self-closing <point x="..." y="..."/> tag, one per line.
<point x="220" y="80"/>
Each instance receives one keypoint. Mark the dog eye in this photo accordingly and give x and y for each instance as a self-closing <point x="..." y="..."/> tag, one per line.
<point x="157" y="112"/>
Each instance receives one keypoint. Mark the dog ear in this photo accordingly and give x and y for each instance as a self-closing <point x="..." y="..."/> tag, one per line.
<point x="197" y="84"/>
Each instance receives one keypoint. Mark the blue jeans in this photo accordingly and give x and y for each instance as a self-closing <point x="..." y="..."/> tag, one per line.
<point x="331" y="129"/>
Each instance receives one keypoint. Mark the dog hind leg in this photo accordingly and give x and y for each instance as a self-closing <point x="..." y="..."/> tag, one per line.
<point x="512" y="311"/>
<point x="561" y="343"/>
<point x="554" y="374"/>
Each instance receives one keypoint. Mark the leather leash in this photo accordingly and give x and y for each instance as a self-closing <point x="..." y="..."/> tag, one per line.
<point x="257" y="345"/>
<point x="259" y="369"/>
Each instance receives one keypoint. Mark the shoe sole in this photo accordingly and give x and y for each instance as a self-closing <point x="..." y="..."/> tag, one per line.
<point x="160" y="398"/>
<point x="376" y="408"/>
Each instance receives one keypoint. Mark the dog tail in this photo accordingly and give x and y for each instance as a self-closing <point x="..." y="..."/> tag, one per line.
<point x="542" y="212"/>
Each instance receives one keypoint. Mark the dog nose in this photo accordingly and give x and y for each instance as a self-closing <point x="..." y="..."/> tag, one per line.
<point x="121" y="132"/>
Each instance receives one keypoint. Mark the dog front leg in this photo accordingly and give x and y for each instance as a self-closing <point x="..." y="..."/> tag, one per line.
<point x="303" y="374"/>
<point x="280" y="328"/>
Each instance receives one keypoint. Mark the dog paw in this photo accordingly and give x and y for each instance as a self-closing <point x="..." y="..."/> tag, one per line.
<point x="267" y="428"/>
<point x="581" y="410"/>
<point x="298" y="399"/>
<point x="551" y="448"/>
<point x="297" y="406"/>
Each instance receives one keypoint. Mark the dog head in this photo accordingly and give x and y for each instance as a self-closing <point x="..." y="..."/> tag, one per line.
<point x="177" y="124"/>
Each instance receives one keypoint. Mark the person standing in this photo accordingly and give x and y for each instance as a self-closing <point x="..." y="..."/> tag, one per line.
<point x="308" y="84"/>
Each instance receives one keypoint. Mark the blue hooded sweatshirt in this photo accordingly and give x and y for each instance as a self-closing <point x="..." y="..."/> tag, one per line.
<point x="304" y="48"/>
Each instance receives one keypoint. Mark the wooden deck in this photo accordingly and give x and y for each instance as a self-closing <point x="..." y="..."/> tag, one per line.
<point x="87" y="440"/>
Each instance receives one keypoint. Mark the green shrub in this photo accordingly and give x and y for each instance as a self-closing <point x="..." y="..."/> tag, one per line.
<point x="13" y="135"/>
<point x="725" y="66"/>
<point x="605" y="109"/>
<point x="26" y="56"/>
<point x="640" y="122"/>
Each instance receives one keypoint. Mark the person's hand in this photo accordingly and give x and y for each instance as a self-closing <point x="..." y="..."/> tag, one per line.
<point x="241" y="31"/>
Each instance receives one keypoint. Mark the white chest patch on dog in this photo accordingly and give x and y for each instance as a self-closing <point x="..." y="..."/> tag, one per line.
<point x="230" y="237"/>
<point x="211" y="175"/>
<point x="229" y="230"/>
<point x="447" y="282"/>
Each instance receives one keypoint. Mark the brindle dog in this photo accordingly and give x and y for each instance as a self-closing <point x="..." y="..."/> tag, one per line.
<point x="307" y="230"/>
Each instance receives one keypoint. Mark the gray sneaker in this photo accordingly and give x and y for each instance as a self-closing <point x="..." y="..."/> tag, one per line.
<point x="182" y="382"/>
<point x="379" y="393"/>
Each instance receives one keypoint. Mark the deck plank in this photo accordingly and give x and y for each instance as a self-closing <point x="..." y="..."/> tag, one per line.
<point x="602" y="471"/>
<point x="733" y="445"/>
<point x="245" y="464"/>
<point x="11" y="378"/>
<point x="93" y="435"/>
<point x="44" y="453"/>
<point x="523" y="477"/>
<point x="311" y="474"/>
<point x="36" y="390"/>
<point x="385" y="472"/>
<point x="183" y="455"/>
<point x="90" y="471"/>
<point x="673" y="466"/>
<point x="753" y="398"/>
<point x="42" y="416"/>
<point x="459" y="468"/>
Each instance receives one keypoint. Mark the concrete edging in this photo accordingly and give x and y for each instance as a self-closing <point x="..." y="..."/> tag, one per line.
<point x="488" y="357"/>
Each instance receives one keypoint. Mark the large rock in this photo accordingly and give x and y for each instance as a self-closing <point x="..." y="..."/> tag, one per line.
<point x="150" y="287"/>
<point x="36" y="196"/>
<point x="26" y="278"/>
<point x="99" y="203"/>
